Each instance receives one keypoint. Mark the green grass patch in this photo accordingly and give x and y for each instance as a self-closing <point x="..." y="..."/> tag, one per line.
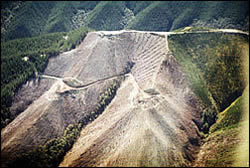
<point x="227" y="143"/>
<point x="232" y="115"/>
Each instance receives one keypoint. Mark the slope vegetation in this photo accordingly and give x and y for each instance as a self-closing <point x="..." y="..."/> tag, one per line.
<point x="228" y="141"/>
<point x="125" y="98"/>
<point x="26" y="19"/>
<point x="214" y="64"/>
<point x="23" y="59"/>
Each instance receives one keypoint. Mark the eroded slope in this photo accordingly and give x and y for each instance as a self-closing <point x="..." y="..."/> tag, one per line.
<point x="52" y="103"/>
<point x="154" y="119"/>
<point x="150" y="121"/>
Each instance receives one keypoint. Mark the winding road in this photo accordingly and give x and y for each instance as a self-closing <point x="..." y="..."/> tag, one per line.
<point x="81" y="85"/>
<point x="103" y="33"/>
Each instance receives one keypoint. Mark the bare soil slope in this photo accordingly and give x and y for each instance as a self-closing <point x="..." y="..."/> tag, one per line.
<point x="45" y="107"/>
<point x="151" y="121"/>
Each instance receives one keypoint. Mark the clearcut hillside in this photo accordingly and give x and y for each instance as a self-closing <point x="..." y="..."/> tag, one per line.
<point x="124" y="83"/>
<point x="107" y="101"/>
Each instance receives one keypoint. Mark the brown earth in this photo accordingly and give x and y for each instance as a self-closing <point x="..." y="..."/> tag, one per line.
<point x="150" y="122"/>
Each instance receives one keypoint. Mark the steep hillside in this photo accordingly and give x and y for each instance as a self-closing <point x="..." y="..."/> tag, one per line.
<point x="124" y="83"/>
<point x="214" y="64"/>
<point x="228" y="141"/>
<point x="170" y="15"/>
<point x="34" y="18"/>
<point x="52" y="105"/>
<point x="23" y="59"/>
<point x="125" y="98"/>
<point x="146" y="119"/>
<point x="229" y="136"/>
<point x="27" y="19"/>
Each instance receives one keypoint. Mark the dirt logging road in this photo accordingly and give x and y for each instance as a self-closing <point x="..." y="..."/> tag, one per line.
<point x="151" y="121"/>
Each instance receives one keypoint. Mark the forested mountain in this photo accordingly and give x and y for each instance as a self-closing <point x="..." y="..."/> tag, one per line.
<point x="124" y="83"/>
<point x="26" y="19"/>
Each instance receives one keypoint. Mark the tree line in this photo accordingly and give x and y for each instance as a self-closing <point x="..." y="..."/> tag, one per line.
<point x="22" y="58"/>
<point x="52" y="152"/>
